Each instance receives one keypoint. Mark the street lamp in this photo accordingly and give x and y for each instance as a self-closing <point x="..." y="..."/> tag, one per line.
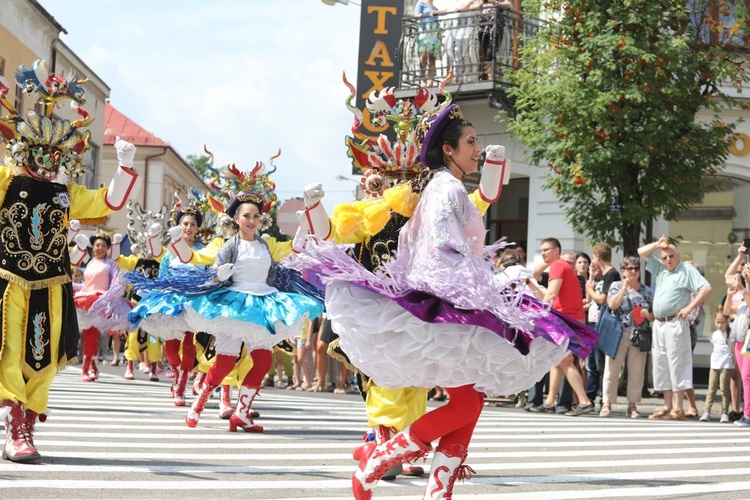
<point x="334" y="2"/>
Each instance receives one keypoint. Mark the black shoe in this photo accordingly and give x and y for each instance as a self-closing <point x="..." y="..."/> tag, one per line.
<point x="543" y="408"/>
<point x="735" y="415"/>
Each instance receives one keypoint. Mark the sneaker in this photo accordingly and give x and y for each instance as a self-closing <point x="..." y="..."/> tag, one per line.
<point x="707" y="418"/>
<point x="735" y="415"/>
<point x="743" y="422"/>
<point x="580" y="410"/>
<point x="543" y="408"/>
<point x="724" y="419"/>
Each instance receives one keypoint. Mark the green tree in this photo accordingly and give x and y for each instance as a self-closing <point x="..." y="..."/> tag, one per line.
<point x="200" y="164"/>
<point x="621" y="100"/>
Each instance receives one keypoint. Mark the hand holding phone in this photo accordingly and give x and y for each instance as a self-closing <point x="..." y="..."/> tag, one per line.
<point x="636" y="313"/>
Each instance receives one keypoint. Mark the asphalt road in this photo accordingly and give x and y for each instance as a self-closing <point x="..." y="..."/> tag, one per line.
<point x="120" y="439"/>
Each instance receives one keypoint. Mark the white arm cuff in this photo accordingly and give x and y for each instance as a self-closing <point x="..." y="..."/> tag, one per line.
<point x="155" y="247"/>
<point x="77" y="256"/>
<point x="316" y="221"/>
<point x="494" y="175"/>
<point x="124" y="184"/>
<point x="181" y="250"/>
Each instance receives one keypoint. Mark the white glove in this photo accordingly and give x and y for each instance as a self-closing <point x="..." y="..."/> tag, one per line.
<point x="78" y="253"/>
<point x="117" y="239"/>
<point x="82" y="241"/>
<point x="155" y="229"/>
<point x="74" y="228"/>
<point x="312" y="194"/>
<point x="175" y="232"/>
<point x="125" y="152"/>
<point x="225" y="271"/>
<point x="495" y="153"/>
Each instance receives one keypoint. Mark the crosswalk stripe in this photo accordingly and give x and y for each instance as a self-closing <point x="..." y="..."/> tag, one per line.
<point x="128" y="437"/>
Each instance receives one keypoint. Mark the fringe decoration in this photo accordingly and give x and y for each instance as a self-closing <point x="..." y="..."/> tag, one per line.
<point x="336" y="352"/>
<point x="34" y="285"/>
<point x="472" y="283"/>
<point x="290" y="281"/>
<point x="187" y="282"/>
<point x="402" y="199"/>
<point x="346" y="218"/>
<point x="376" y="215"/>
<point x="111" y="309"/>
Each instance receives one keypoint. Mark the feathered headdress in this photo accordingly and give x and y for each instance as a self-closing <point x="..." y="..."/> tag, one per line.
<point x="229" y="182"/>
<point x="384" y="161"/>
<point x="42" y="146"/>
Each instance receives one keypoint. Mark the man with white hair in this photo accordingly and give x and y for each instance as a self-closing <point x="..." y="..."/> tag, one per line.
<point x="672" y="356"/>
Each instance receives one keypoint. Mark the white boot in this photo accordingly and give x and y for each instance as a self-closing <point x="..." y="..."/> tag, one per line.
<point x="199" y="403"/>
<point x="242" y="415"/>
<point x="17" y="446"/>
<point x="447" y="466"/>
<point x="178" y="387"/>
<point x="377" y="460"/>
<point x="225" y="402"/>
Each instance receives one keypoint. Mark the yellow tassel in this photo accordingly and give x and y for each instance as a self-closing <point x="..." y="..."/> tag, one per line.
<point x="377" y="214"/>
<point x="346" y="218"/>
<point x="402" y="199"/>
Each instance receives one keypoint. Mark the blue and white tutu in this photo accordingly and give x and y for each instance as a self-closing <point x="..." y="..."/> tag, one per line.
<point x="161" y="314"/>
<point x="260" y="321"/>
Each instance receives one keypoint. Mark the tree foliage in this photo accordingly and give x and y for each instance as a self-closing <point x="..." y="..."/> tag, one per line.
<point x="622" y="102"/>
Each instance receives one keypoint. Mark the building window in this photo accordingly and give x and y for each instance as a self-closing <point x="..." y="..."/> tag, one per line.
<point x="90" y="159"/>
<point x="709" y="234"/>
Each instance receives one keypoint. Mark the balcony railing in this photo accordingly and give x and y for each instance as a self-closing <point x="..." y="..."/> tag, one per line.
<point x="480" y="45"/>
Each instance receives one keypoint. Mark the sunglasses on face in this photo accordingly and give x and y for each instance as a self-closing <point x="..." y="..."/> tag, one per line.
<point x="632" y="268"/>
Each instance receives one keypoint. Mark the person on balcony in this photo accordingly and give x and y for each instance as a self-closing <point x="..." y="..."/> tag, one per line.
<point x="490" y="33"/>
<point x="428" y="40"/>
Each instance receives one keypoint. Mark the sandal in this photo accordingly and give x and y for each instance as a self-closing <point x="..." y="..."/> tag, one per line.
<point x="633" y="412"/>
<point x="294" y="387"/>
<point x="605" y="411"/>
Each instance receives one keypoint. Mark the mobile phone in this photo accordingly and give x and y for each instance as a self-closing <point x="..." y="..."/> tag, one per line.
<point x="746" y="243"/>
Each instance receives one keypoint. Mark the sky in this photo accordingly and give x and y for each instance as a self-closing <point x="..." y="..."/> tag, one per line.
<point x="245" y="78"/>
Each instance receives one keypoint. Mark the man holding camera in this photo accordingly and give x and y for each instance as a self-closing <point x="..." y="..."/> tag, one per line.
<point x="671" y="351"/>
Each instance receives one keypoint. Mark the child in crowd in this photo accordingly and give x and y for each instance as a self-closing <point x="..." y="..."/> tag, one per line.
<point x="722" y="366"/>
<point x="302" y="377"/>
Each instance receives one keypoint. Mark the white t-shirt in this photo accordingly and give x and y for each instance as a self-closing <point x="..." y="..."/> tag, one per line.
<point x="721" y="357"/>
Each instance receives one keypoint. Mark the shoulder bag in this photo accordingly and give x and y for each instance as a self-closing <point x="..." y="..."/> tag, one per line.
<point x="610" y="331"/>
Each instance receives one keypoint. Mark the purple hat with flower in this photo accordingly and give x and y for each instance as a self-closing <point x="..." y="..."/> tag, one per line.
<point x="433" y="124"/>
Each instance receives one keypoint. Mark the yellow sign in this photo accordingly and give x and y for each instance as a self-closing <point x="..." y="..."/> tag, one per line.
<point x="741" y="145"/>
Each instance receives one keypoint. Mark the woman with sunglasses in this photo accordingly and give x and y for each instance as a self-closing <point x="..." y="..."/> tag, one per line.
<point x="633" y="301"/>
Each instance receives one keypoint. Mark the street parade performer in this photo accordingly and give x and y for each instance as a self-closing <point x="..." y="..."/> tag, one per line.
<point x="249" y="308"/>
<point x="436" y="315"/>
<point x="100" y="303"/>
<point x="390" y="170"/>
<point x="37" y="199"/>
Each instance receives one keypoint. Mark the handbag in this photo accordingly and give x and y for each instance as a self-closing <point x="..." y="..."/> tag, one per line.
<point x="641" y="337"/>
<point x="610" y="331"/>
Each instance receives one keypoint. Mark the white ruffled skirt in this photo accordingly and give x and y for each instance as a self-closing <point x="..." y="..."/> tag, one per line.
<point x="397" y="349"/>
